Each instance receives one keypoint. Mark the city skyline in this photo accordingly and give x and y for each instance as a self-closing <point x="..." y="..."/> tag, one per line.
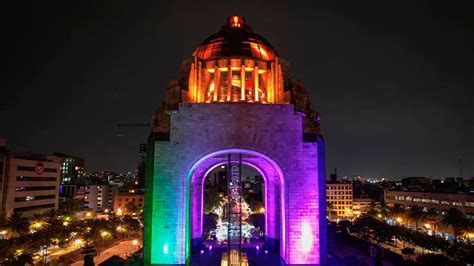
<point x="393" y="85"/>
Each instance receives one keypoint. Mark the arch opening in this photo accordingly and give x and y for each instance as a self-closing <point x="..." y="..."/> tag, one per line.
<point x="215" y="205"/>
<point x="273" y="198"/>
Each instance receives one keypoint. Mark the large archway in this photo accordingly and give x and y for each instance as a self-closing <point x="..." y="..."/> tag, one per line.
<point x="274" y="195"/>
<point x="200" y="137"/>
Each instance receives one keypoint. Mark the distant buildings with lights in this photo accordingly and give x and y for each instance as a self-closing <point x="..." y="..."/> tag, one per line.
<point x="361" y="206"/>
<point x="339" y="196"/>
<point x="72" y="168"/>
<point x="438" y="194"/>
<point x="29" y="183"/>
<point x="339" y="200"/>
<point x="35" y="183"/>
<point x="124" y="199"/>
<point x="100" y="198"/>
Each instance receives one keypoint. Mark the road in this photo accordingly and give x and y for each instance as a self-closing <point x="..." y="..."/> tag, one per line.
<point x="122" y="249"/>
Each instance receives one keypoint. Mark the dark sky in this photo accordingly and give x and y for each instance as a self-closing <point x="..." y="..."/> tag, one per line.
<point x="392" y="80"/>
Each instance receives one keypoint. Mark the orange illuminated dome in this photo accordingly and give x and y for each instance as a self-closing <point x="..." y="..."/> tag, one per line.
<point x="236" y="40"/>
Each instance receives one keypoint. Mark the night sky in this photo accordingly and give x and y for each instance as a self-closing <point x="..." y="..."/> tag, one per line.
<point x="393" y="82"/>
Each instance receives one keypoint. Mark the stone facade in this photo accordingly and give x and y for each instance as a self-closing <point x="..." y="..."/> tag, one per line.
<point x="271" y="138"/>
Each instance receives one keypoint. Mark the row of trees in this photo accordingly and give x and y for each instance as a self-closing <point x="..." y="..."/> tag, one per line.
<point x="452" y="220"/>
<point x="376" y="229"/>
<point x="28" y="239"/>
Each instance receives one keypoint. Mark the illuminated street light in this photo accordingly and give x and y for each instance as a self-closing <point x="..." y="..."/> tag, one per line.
<point x="104" y="234"/>
<point x="78" y="242"/>
<point x="37" y="225"/>
<point x="65" y="223"/>
<point x="399" y="220"/>
<point x="427" y="226"/>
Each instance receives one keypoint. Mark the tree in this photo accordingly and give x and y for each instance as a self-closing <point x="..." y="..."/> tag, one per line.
<point x="70" y="206"/>
<point x="132" y="208"/>
<point x="51" y="215"/>
<point x="37" y="221"/>
<point x="396" y="211"/>
<point x="408" y="252"/>
<point x="16" y="224"/>
<point x="131" y="224"/>
<point x="416" y="215"/>
<point x="457" y="220"/>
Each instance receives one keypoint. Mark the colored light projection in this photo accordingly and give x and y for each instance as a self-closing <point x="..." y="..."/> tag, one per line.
<point x="177" y="218"/>
<point x="222" y="224"/>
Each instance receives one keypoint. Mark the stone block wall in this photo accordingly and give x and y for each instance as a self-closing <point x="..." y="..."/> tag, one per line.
<point x="272" y="131"/>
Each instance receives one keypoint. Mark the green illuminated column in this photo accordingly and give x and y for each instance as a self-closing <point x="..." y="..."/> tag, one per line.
<point x="165" y="234"/>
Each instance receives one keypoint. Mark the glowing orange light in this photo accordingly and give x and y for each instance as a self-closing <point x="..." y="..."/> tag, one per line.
<point x="264" y="52"/>
<point x="236" y="21"/>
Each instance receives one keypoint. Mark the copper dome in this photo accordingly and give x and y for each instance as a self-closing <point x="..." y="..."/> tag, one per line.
<point x="235" y="39"/>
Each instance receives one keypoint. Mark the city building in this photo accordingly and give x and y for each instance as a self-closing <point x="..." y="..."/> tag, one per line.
<point x="464" y="202"/>
<point x="66" y="192"/>
<point x="72" y="168"/>
<point x="339" y="200"/>
<point x="124" y="199"/>
<point x="29" y="183"/>
<point x="361" y="206"/>
<point x="235" y="103"/>
<point x="100" y="197"/>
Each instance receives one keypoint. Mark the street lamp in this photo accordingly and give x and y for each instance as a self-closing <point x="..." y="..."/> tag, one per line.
<point x="104" y="234"/>
<point x="78" y="242"/>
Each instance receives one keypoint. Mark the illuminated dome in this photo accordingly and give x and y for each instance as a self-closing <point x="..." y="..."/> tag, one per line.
<point x="235" y="39"/>
<point x="238" y="66"/>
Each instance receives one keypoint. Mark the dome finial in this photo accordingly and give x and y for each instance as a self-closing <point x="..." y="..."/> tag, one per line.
<point x="236" y="21"/>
